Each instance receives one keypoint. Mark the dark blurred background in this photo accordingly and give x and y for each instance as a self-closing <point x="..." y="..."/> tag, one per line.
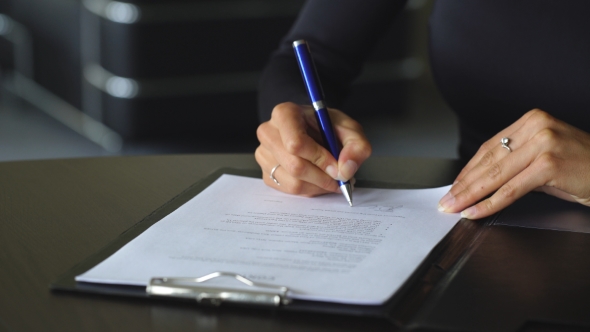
<point x="98" y="77"/>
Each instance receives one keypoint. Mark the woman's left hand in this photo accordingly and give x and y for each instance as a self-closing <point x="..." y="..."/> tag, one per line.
<point x="547" y="155"/>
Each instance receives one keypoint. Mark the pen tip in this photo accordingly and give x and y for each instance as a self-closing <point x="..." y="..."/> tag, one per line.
<point x="347" y="192"/>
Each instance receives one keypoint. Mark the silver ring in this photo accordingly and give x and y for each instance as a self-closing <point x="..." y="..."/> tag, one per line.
<point x="504" y="142"/>
<point x="272" y="174"/>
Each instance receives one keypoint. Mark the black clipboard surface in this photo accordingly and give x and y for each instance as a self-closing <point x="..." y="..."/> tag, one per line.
<point x="530" y="272"/>
<point x="399" y="310"/>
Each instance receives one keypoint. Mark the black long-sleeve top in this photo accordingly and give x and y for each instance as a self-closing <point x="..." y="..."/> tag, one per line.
<point x="492" y="60"/>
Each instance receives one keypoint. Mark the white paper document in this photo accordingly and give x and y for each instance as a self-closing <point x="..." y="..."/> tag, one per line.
<point x="320" y="248"/>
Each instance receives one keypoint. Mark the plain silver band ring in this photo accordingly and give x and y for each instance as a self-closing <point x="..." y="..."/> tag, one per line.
<point x="272" y="174"/>
<point x="504" y="142"/>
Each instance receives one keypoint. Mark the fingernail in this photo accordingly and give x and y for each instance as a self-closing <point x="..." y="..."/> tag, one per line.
<point x="469" y="213"/>
<point x="332" y="171"/>
<point x="347" y="170"/>
<point x="446" y="201"/>
<point x="454" y="183"/>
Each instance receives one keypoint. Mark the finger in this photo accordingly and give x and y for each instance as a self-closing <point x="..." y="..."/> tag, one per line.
<point x="355" y="145"/>
<point x="266" y="161"/>
<point x="538" y="135"/>
<point x="290" y="185"/>
<point x="301" y="184"/>
<point x="305" y="171"/>
<point x="487" y="177"/>
<point x="295" y="140"/>
<point x="555" y="170"/>
<point x="493" y="154"/>
<point x="297" y="167"/>
<point x="493" y="142"/>
<point x="487" y="168"/>
<point x="286" y="183"/>
<point x="534" y="176"/>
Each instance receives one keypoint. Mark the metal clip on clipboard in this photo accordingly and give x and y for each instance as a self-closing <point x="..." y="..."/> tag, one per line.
<point x="190" y="288"/>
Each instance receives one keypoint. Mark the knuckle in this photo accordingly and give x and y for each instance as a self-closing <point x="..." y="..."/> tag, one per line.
<point x="282" y="109"/>
<point x="352" y="124"/>
<point x="488" y="205"/>
<point x="295" y="167"/>
<point x="327" y="183"/>
<point x="258" y="154"/>
<point x="261" y="131"/>
<point x="267" y="181"/>
<point x="541" y="119"/>
<point x="507" y="191"/>
<point x="494" y="171"/>
<point x="465" y="194"/>
<point x="296" y="188"/>
<point x="546" y="136"/>
<point x="366" y="153"/>
<point x="487" y="159"/>
<point x="365" y="150"/>
<point x="319" y="159"/>
<point x="552" y="140"/>
<point x="361" y="149"/>
<point x="356" y="126"/>
<point x="486" y="146"/>
<point x="534" y="112"/>
<point x="294" y="145"/>
<point x="548" y="163"/>
<point x="460" y="185"/>
<point x="549" y="139"/>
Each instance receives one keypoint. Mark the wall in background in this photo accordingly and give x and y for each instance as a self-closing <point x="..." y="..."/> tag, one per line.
<point x="119" y="73"/>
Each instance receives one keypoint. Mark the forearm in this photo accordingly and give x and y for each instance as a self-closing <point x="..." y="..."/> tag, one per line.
<point x="341" y="34"/>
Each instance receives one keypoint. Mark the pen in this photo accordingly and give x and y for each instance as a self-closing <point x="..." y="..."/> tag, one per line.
<point x="316" y="94"/>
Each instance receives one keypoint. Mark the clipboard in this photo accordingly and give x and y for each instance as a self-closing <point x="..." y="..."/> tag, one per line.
<point x="398" y="310"/>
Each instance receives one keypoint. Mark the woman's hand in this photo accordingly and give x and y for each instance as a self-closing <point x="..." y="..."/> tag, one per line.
<point x="547" y="155"/>
<point x="291" y="139"/>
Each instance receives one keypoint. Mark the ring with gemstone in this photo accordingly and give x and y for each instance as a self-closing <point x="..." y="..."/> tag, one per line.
<point x="504" y="142"/>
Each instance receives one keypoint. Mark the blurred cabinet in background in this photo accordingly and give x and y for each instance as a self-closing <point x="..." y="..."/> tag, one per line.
<point x="155" y="69"/>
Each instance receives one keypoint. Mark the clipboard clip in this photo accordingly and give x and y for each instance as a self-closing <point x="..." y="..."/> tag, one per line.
<point x="266" y="295"/>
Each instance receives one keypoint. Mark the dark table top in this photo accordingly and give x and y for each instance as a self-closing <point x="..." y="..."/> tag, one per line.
<point x="55" y="213"/>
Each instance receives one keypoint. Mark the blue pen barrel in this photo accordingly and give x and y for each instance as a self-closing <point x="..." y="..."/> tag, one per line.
<point x="314" y="89"/>
<point x="316" y="94"/>
<point x="308" y="72"/>
<point x="328" y="134"/>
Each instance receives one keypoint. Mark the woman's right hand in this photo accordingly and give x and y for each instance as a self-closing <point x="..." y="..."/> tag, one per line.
<point x="291" y="139"/>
